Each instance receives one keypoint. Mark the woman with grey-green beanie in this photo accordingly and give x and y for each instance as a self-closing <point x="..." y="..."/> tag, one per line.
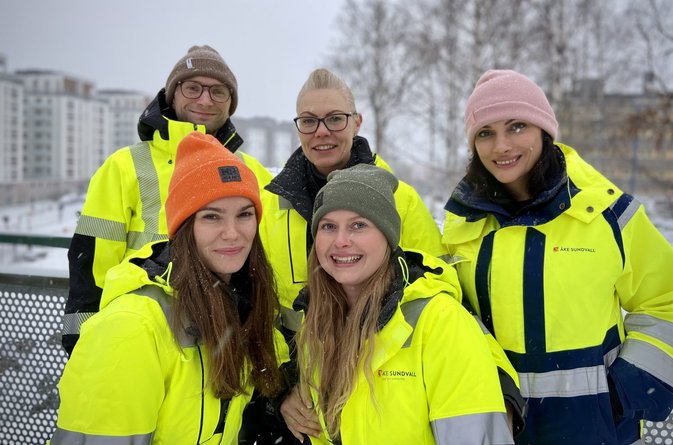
<point x="383" y="324"/>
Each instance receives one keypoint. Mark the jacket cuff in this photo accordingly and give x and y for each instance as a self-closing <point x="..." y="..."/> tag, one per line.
<point x="512" y="396"/>
<point x="289" y="371"/>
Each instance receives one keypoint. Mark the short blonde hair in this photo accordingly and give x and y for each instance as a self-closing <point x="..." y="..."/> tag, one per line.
<point x="324" y="79"/>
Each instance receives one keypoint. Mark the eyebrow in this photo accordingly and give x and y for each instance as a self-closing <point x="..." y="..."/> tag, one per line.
<point x="329" y="113"/>
<point x="220" y="210"/>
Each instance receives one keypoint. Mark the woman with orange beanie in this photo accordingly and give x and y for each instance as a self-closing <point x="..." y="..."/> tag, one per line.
<point x="186" y="327"/>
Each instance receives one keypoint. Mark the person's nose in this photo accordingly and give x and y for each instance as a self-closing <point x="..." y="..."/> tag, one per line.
<point x="502" y="143"/>
<point x="228" y="231"/>
<point x="343" y="238"/>
<point x="322" y="129"/>
<point x="205" y="98"/>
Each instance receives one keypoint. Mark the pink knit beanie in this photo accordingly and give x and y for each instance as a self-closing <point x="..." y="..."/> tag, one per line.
<point x="506" y="94"/>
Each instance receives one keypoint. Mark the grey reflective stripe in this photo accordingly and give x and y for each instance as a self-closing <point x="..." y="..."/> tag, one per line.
<point x="284" y="204"/>
<point x="150" y="197"/>
<point x="148" y="185"/>
<point x="650" y="358"/>
<point x="158" y="295"/>
<point x="451" y="259"/>
<point x="472" y="429"/>
<point x="164" y="300"/>
<point x="65" y="437"/>
<point x="628" y="213"/>
<point x="564" y="382"/>
<point x="136" y="240"/>
<point x="484" y="330"/>
<point x="290" y="319"/>
<point x="72" y="322"/>
<point x="610" y="357"/>
<point x="101" y="228"/>
<point x="412" y="312"/>
<point x="654" y="327"/>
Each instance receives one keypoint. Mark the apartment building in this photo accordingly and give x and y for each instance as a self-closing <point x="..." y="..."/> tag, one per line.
<point x="11" y="126"/>
<point x="56" y="129"/>
<point x="125" y="108"/>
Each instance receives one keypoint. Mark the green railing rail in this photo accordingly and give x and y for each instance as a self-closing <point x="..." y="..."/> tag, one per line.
<point x="35" y="240"/>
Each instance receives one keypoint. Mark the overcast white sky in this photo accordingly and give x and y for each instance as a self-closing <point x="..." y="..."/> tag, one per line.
<point x="270" y="45"/>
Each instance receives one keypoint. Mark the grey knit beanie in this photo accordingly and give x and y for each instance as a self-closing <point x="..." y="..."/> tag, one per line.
<point x="366" y="190"/>
<point x="202" y="61"/>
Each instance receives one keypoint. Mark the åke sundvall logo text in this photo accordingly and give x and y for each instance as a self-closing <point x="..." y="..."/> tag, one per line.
<point x="574" y="249"/>
<point x="395" y="373"/>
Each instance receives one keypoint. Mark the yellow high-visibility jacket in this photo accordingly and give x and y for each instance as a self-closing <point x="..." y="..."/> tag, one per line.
<point x="434" y="380"/>
<point x="124" y="208"/>
<point x="285" y="231"/>
<point x="551" y="283"/>
<point x="128" y="380"/>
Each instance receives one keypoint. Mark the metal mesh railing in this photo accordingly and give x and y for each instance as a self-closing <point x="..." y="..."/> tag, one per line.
<point x="31" y="356"/>
<point x="32" y="359"/>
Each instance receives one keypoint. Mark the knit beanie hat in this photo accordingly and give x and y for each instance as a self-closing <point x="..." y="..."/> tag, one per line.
<point x="366" y="190"/>
<point x="506" y="94"/>
<point x="206" y="171"/>
<point x="202" y="61"/>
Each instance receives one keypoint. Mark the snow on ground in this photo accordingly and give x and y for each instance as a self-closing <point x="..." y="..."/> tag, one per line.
<point x="53" y="218"/>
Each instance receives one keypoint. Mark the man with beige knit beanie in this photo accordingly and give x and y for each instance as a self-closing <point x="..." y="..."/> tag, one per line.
<point x="124" y="207"/>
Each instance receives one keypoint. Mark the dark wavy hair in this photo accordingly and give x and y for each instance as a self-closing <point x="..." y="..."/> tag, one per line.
<point x="204" y="303"/>
<point x="485" y="185"/>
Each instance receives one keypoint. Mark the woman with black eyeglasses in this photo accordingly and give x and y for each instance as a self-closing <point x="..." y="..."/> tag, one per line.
<point x="327" y="123"/>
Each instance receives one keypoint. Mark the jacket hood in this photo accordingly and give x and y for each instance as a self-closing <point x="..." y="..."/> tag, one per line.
<point x="148" y="266"/>
<point x="543" y="208"/>
<point x="417" y="275"/>
<point x="299" y="182"/>
<point x="428" y="276"/>
<point x="157" y="114"/>
<point x="584" y="189"/>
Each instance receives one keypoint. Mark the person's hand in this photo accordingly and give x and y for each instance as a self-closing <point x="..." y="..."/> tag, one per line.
<point x="299" y="416"/>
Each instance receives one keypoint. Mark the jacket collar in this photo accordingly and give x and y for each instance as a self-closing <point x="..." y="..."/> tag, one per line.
<point x="158" y="262"/>
<point x="158" y="113"/>
<point x="299" y="181"/>
<point x="545" y="207"/>
<point x="408" y="267"/>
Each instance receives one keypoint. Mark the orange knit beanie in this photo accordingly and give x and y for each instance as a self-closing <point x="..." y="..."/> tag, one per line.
<point x="206" y="171"/>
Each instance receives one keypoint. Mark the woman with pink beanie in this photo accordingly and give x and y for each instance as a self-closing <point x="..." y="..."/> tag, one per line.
<point x="565" y="269"/>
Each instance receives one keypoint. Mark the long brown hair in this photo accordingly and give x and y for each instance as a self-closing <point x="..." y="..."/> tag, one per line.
<point x="204" y="305"/>
<point x="336" y="339"/>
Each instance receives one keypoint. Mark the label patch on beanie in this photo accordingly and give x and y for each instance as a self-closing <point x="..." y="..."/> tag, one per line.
<point x="229" y="174"/>
<point x="188" y="62"/>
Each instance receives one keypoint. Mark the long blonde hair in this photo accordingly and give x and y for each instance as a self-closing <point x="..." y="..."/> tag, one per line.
<point x="335" y="340"/>
<point x="204" y="303"/>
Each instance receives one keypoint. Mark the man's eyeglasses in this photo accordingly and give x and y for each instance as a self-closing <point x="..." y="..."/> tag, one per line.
<point x="333" y="122"/>
<point x="193" y="90"/>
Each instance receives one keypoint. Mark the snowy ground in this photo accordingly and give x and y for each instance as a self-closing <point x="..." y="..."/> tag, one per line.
<point x="58" y="218"/>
